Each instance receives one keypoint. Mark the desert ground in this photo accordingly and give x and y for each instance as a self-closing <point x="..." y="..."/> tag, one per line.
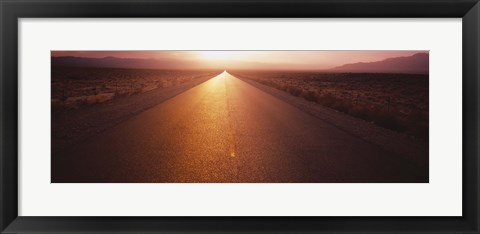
<point x="73" y="87"/>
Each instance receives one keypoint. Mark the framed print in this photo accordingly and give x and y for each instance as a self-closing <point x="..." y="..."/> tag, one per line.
<point x="227" y="116"/>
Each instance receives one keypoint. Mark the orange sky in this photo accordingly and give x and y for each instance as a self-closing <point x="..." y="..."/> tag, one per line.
<point x="309" y="60"/>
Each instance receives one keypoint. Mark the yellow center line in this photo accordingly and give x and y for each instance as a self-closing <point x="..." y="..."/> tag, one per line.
<point x="231" y="122"/>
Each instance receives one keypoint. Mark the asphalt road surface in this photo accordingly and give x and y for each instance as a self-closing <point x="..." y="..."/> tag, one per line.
<point x="225" y="130"/>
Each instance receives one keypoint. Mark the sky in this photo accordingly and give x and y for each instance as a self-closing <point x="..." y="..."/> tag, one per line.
<point x="302" y="60"/>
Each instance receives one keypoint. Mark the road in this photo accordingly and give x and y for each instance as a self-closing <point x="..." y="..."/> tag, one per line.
<point x="226" y="130"/>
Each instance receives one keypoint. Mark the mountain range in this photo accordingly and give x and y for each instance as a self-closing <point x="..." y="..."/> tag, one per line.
<point x="416" y="64"/>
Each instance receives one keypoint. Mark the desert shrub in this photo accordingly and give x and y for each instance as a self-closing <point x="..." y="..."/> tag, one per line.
<point x="310" y="96"/>
<point x="75" y="101"/>
<point x="103" y="97"/>
<point x="342" y="105"/>
<point x="360" y="111"/>
<point x="294" y="91"/>
<point x="389" y="120"/>
<point x="326" y="99"/>
<point x="378" y="114"/>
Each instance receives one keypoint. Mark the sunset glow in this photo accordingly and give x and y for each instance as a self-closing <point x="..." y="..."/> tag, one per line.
<point x="270" y="60"/>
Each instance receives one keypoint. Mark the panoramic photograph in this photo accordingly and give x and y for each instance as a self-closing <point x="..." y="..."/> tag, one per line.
<point x="240" y="116"/>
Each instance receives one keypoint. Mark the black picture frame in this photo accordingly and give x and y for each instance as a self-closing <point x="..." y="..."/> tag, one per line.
<point x="11" y="11"/>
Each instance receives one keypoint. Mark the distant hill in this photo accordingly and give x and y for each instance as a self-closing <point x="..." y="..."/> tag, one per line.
<point x="415" y="64"/>
<point x="115" y="62"/>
